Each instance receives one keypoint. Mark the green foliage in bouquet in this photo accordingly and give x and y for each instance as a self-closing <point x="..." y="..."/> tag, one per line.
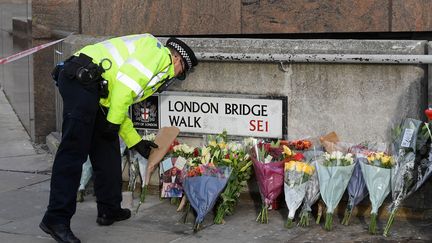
<point x="235" y="156"/>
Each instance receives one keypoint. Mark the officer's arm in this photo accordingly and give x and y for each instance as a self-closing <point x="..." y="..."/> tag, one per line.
<point x="132" y="79"/>
<point x="128" y="133"/>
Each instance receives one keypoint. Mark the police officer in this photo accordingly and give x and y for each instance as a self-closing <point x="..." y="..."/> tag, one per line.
<point x="98" y="84"/>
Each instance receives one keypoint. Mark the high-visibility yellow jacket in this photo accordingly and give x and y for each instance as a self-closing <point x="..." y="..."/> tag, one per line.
<point x="140" y="64"/>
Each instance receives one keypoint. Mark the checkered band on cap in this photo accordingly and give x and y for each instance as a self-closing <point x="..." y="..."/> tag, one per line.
<point x="185" y="51"/>
<point x="182" y="53"/>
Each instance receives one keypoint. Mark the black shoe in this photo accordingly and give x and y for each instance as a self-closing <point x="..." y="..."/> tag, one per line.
<point x="111" y="217"/>
<point x="60" y="232"/>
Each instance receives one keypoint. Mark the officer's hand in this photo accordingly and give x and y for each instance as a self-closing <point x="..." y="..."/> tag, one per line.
<point x="144" y="147"/>
<point x="110" y="131"/>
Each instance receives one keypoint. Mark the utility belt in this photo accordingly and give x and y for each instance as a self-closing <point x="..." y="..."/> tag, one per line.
<point x="85" y="71"/>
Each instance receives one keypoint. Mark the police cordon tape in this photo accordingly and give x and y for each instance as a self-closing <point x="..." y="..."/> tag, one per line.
<point x="27" y="52"/>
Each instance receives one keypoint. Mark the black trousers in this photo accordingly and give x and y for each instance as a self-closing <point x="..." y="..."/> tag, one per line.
<point x="83" y="122"/>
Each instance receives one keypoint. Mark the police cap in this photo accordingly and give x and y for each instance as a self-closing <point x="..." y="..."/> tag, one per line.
<point x="185" y="52"/>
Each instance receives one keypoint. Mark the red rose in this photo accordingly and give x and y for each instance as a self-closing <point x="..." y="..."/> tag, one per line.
<point x="298" y="157"/>
<point x="300" y="145"/>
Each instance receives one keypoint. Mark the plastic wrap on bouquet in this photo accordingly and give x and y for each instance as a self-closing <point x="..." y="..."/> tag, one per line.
<point x="333" y="181"/>
<point x="357" y="191"/>
<point x="378" y="183"/>
<point x="125" y="160"/>
<point x="139" y="161"/>
<point x="86" y="174"/>
<point x="293" y="198"/>
<point x="270" y="179"/>
<point x="203" y="190"/>
<point x="297" y="176"/>
<point x="411" y="170"/>
<point x="311" y="196"/>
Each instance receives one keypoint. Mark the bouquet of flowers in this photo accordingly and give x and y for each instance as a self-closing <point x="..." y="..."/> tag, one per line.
<point x="357" y="190"/>
<point x="203" y="182"/>
<point x="307" y="147"/>
<point x="86" y="174"/>
<point x="297" y="174"/>
<point x="377" y="174"/>
<point x="334" y="174"/>
<point x="311" y="196"/>
<point x="413" y="157"/>
<point x="268" y="161"/>
<point x="300" y="144"/>
<point x="138" y="169"/>
<point x="311" y="152"/>
<point x="240" y="163"/>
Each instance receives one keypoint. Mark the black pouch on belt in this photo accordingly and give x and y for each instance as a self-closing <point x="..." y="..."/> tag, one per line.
<point x="83" y="69"/>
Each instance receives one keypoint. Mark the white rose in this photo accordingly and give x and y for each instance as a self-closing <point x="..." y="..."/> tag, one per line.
<point x="333" y="155"/>
<point x="339" y="155"/>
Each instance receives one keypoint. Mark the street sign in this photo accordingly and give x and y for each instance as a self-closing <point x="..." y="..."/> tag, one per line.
<point x="239" y="115"/>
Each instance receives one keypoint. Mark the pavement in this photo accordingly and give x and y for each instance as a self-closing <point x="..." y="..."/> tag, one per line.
<point x="24" y="190"/>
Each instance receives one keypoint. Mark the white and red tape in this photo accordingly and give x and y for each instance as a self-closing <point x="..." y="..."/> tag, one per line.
<point x="27" y="52"/>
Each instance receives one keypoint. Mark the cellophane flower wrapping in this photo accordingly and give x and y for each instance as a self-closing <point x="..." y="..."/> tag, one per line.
<point x="138" y="169"/>
<point x="297" y="176"/>
<point x="311" y="197"/>
<point x="357" y="190"/>
<point x="334" y="174"/>
<point x="413" y="165"/>
<point x="202" y="185"/>
<point x="86" y="174"/>
<point x="376" y="170"/>
<point x="312" y="152"/>
<point x="268" y="162"/>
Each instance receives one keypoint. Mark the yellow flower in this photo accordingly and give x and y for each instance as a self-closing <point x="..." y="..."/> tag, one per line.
<point x="386" y="159"/>
<point x="222" y="145"/>
<point x="299" y="166"/>
<point x="379" y="155"/>
<point x="308" y="169"/>
<point x="286" y="150"/>
<point x="290" y="165"/>
<point x="213" y="143"/>
<point x="371" y="157"/>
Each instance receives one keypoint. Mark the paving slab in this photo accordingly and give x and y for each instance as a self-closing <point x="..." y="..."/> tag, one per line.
<point x="14" y="180"/>
<point x="14" y="139"/>
<point x="26" y="163"/>
<point x="8" y="237"/>
<point x="22" y="204"/>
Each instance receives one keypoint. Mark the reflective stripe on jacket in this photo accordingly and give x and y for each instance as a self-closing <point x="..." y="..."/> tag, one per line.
<point x="140" y="64"/>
